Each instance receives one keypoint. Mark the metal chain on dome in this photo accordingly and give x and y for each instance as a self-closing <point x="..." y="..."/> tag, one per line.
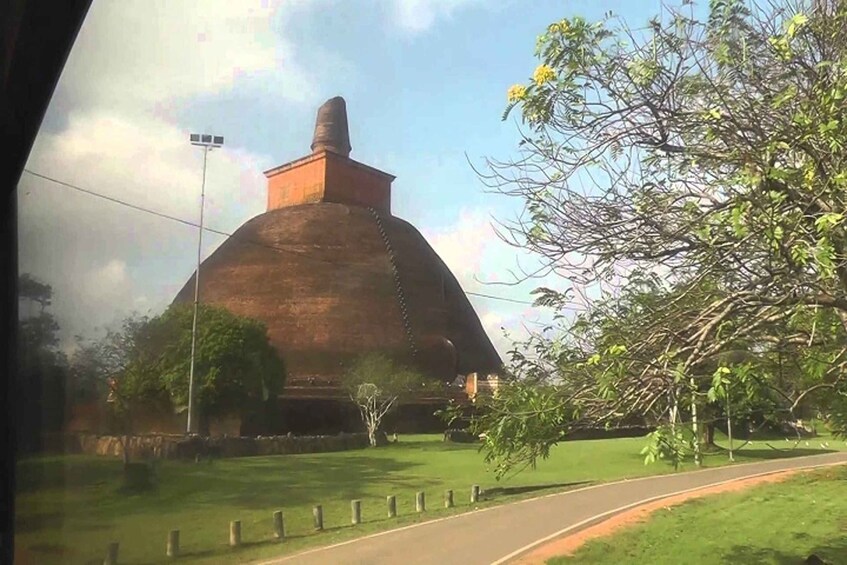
<point x="398" y="286"/>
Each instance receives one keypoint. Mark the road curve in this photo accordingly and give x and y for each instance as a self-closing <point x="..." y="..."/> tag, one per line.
<point x="499" y="534"/>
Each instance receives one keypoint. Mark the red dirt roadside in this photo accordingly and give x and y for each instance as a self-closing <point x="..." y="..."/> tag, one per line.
<point x="569" y="543"/>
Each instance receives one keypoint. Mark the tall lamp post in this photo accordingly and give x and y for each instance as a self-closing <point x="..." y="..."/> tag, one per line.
<point x="207" y="142"/>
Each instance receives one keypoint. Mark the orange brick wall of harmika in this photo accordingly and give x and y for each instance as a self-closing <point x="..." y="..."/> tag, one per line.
<point x="328" y="177"/>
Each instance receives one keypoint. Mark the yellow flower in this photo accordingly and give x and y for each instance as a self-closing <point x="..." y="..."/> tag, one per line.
<point x="516" y="93"/>
<point x="561" y="27"/>
<point x="543" y="74"/>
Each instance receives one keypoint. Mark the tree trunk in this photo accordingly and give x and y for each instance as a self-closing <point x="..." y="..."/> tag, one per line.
<point x="709" y="434"/>
<point x="729" y="428"/>
<point x="371" y="424"/>
<point x="695" y="426"/>
<point x="127" y="429"/>
<point x="125" y="449"/>
<point x="203" y="424"/>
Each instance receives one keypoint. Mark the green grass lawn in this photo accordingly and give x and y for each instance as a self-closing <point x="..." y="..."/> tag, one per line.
<point x="779" y="524"/>
<point x="69" y="508"/>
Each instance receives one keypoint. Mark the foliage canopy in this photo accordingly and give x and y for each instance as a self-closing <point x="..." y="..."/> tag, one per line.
<point x="377" y="385"/>
<point x="696" y="168"/>
<point x="235" y="364"/>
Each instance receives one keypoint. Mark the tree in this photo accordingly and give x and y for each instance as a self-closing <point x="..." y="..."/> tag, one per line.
<point x="38" y="330"/>
<point x="95" y="362"/>
<point x="236" y="367"/>
<point x="107" y="370"/>
<point x="378" y="385"/>
<point x="610" y="367"/>
<point x="42" y="368"/>
<point x="711" y="153"/>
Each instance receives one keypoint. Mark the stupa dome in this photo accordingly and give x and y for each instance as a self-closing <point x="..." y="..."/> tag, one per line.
<point x="333" y="274"/>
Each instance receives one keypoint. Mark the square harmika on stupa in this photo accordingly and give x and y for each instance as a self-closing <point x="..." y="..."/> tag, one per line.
<point x="333" y="274"/>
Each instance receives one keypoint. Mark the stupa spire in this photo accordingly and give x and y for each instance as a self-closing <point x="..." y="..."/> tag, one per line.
<point x="331" y="133"/>
<point x="328" y="174"/>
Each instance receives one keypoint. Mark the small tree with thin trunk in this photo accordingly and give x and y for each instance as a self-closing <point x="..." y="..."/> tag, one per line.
<point x="378" y="385"/>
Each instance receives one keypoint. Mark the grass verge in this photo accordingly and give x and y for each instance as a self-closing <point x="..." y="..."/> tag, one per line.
<point x="69" y="508"/>
<point x="779" y="524"/>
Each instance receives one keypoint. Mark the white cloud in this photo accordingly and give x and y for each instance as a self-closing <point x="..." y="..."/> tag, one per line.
<point x="506" y="326"/>
<point x="475" y="255"/>
<point x="491" y="319"/>
<point x="132" y="63"/>
<point x="494" y="324"/>
<point x="104" y="260"/>
<point x="141" y="52"/>
<point x="463" y="246"/>
<point x="149" y="163"/>
<point x="416" y="16"/>
<point x="482" y="261"/>
<point x="109" y="283"/>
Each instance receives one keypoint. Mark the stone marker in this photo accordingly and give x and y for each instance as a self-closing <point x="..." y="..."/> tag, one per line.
<point x="318" y="515"/>
<point x="474" y="494"/>
<point x="279" y="525"/>
<point x="448" y="499"/>
<point x="392" y="506"/>
<point x="173" y="543"/>
<point x="111" y="554"/>
<point x="235" y="533"/>
<point x="420" y="502"/>
<point x="356" y="510"/>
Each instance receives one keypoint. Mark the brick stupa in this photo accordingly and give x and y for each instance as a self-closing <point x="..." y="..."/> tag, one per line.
<point x="333" y="274"/>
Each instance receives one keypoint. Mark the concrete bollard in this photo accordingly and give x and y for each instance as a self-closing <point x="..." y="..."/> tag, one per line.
<point x="111" y="554"/>
<point x="173" y="544"/>
<point x="356" y="511"/>
<point x="318" y="515"/>
<point x="474" y="494"/>
<point x="279" y="525"/>
<point x="448" y="499"/>
<point x="235" y="533"/>
<point x="392" y="506"/>
<point x="420" y="502"/>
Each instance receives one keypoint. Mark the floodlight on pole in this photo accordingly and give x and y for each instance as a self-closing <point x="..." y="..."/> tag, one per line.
<point x="207" y="142"/>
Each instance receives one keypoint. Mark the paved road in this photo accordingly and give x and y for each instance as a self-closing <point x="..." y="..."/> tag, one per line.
<point x="495" y="535"/>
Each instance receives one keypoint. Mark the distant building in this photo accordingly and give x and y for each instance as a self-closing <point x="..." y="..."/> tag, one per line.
<point x="476" y="385"/>
<point x="333" y="274"/>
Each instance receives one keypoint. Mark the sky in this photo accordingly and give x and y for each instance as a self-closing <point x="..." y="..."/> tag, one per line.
<point x="425" y="83"/>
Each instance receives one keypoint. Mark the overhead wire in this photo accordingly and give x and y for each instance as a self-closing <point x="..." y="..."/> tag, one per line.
<point x="189" y="223"/>
<point x="175" y="218"/>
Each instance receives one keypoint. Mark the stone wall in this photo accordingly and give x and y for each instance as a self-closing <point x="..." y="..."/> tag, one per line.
<point x="95" y="418"/>
<point x="602" y="433"/>
<point x="180" y="447"/>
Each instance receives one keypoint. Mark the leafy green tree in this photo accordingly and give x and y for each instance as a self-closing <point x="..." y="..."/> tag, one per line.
<point x="95" y="362"/>
<point x="38" y="328"/>
<point x="710" y="151"/>
<point x="612" y="366"/>
<point x="521" y="422"/>
<point x="236" y="367"/>
<point x="377" y="385"/>
<point x="704" y="148"/>
<point x="42" y="368"/>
